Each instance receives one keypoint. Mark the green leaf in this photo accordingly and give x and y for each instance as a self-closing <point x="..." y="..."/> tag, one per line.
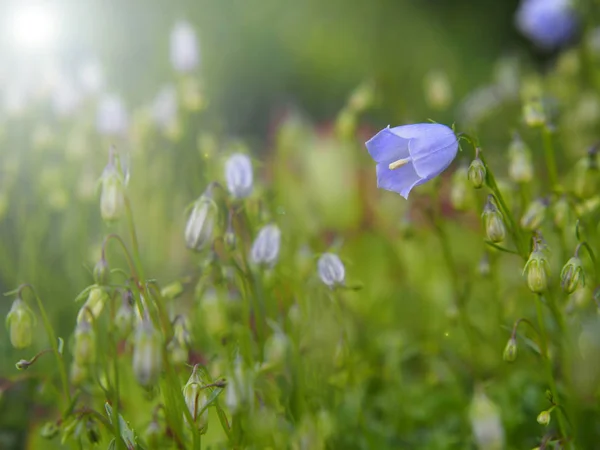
<point x="127" y="433"/>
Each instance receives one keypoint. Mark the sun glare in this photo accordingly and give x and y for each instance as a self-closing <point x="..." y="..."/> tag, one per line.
<point x="34" y="26"/>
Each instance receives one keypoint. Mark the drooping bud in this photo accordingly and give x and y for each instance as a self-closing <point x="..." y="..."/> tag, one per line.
<point x="195" y="398"/>
<point x="124" y="317"/>
<point x="147" y="354"/>
<point x="587" y="175"/>
<point x="534" y="114"/>
<point x="536" y="270"/>
<point x="460" y="192"/>
<point x="184" y="51"/>
<point x="94" y="304"/>
<point x="493" y="221"/>
<point x="572" y="275"/>
<point x="20" y="322"/>
<point x="561" y="212"/>
<point x="201" y="223"/>
<point x="543" y="418"/>
<point x="239" y="391"/>
<point x="486" y="422"/>
<point x="85" y="343"/>
<point x="238" y="173"/>
<point x="265" y="249"/>
<point x="331" y="269"/>
<point x="101" y="272"/>
<point x="477" y="173"/>
<point x="112" y="196"/>
<point x="520" y="169"/>
<point x="510" y="351"/>
<point x="178" y="347"/>
<point x="534" y="215"/>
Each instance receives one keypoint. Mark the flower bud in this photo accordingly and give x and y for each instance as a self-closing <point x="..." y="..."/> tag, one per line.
<point x="536" y="270"/>
<point x="184" y="50"/>
<point x="561" y="212"/>
<point x="510" y="351"/>
<point x="239" y="391"/>
<point x="477" y="173"/>
<point x="85" y="343"/>
<point x="460" y="194"/>
<point x="533" y="113"/>
<point x="486" y="422"/>
<point x="124" y="317"/>
<point x="493" y="221"/>
<point x="112" y="196"/>
<point x="331" y="269"/>
<point x="20" y="322"/>
<point x="238" y="173"/>
<point x="572" y="275"/>
<point x="534" y="215"/>
<point x="201" y="223"/>
<point x="195" y="398"/>
<point x="543" y="418"/>
<point x="94" y="304"/>
<point x="49" y="430"/>
<point x="101" y="272"/>
<point x="265" y="249"/>
<point x="520" y="169"/>
<point x="147" y="353"/>
<point x="172" y="290"/>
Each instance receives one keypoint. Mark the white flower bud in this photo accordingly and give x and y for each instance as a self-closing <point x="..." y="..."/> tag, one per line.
<point x="265" y="249"/>
<point x="195" y="398"/>
<point x="111" y="116"/>
<point x="486" y="423"/>
<point x="185" y="54"/>
<point x="331" y="269"/>
<point x="147" y="355"/>
<point x="200" y="225"/>
<point x="112" y="196"/>
<point x="238" y="172"/>
<point x="164" y="107"/>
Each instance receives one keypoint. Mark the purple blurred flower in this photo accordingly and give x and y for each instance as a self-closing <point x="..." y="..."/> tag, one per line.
<point x="185" y="55"/>
<point x="548" y="23"/>
<point x="410" y="155"/>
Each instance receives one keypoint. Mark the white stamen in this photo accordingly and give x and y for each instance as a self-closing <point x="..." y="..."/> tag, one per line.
<point x="399" y="163"/>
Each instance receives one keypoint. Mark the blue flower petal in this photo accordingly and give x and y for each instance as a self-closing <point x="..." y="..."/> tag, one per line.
<point x="432" y="154"/>
<point x="386" y="147"/>
<point x="400" y="180"/>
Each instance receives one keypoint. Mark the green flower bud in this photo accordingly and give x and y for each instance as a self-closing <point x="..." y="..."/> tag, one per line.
<point x="536" y="270"/>
<point x="534" y="215"/>
<point x="533" y="113"/>
<point x="22" y="364"/>
<point x="93" y="305"/>
<point x="172" y="290"/>
<point x="147" y="353"/>
<point x="195" y="398"/>
<point x="124" y="317"/>
<point x="543" y="418"/>
<point x="572" y="275"/>
<point x="112" y="196"/>
<point x="85" y="343"/>
<point x="510" y="351"/>
<point x="477" y="173"/>
<point x="101" y="272"/>
<point x="460" y="192"/>
<point x="493" y="221"/>
<point x="20" y="322"/>
<point x="49" y="430"/>
<point x="520" y="169"/>
<point x="561" y="212"/>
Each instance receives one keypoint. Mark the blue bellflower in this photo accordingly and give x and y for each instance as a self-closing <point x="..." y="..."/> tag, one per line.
<point x="410" y="155"/>
<point x="548" y="23"/>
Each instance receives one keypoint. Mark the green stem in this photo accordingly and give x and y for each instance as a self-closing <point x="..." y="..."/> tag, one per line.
<point x="549" y="155"/>
<point x="134" y="242"/>
<point x="117" y="398"/>
<point x="548" y="365"/>
<point x="53" y="341"/>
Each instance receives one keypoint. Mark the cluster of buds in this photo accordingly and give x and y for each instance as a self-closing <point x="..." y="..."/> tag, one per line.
<point x="493" y="221"/>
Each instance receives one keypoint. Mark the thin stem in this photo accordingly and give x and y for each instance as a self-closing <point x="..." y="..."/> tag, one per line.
<point x="53" y="341"/>
<point x="591" y="253"/>
<point x="134" y="241"/>
<point x="125" y="251"/>
<point x="548" y="364"/>
<point x="549" y="156"/>
<point x="117" y="398"/>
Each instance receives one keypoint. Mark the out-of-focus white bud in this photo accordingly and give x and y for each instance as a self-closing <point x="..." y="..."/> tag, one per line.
<point x="112" y="195"/>
<point x="147" y="353"/>
<point x="238" y="173"/>
<point x="265" y="249"/>
<point x="486" y="423"/>
<point x="185" y="54"/>
<point x="111" y="117"/>
<point x="331" y="269"/>
<point x="164" y="107"/>
<point x="201" y="223"/>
